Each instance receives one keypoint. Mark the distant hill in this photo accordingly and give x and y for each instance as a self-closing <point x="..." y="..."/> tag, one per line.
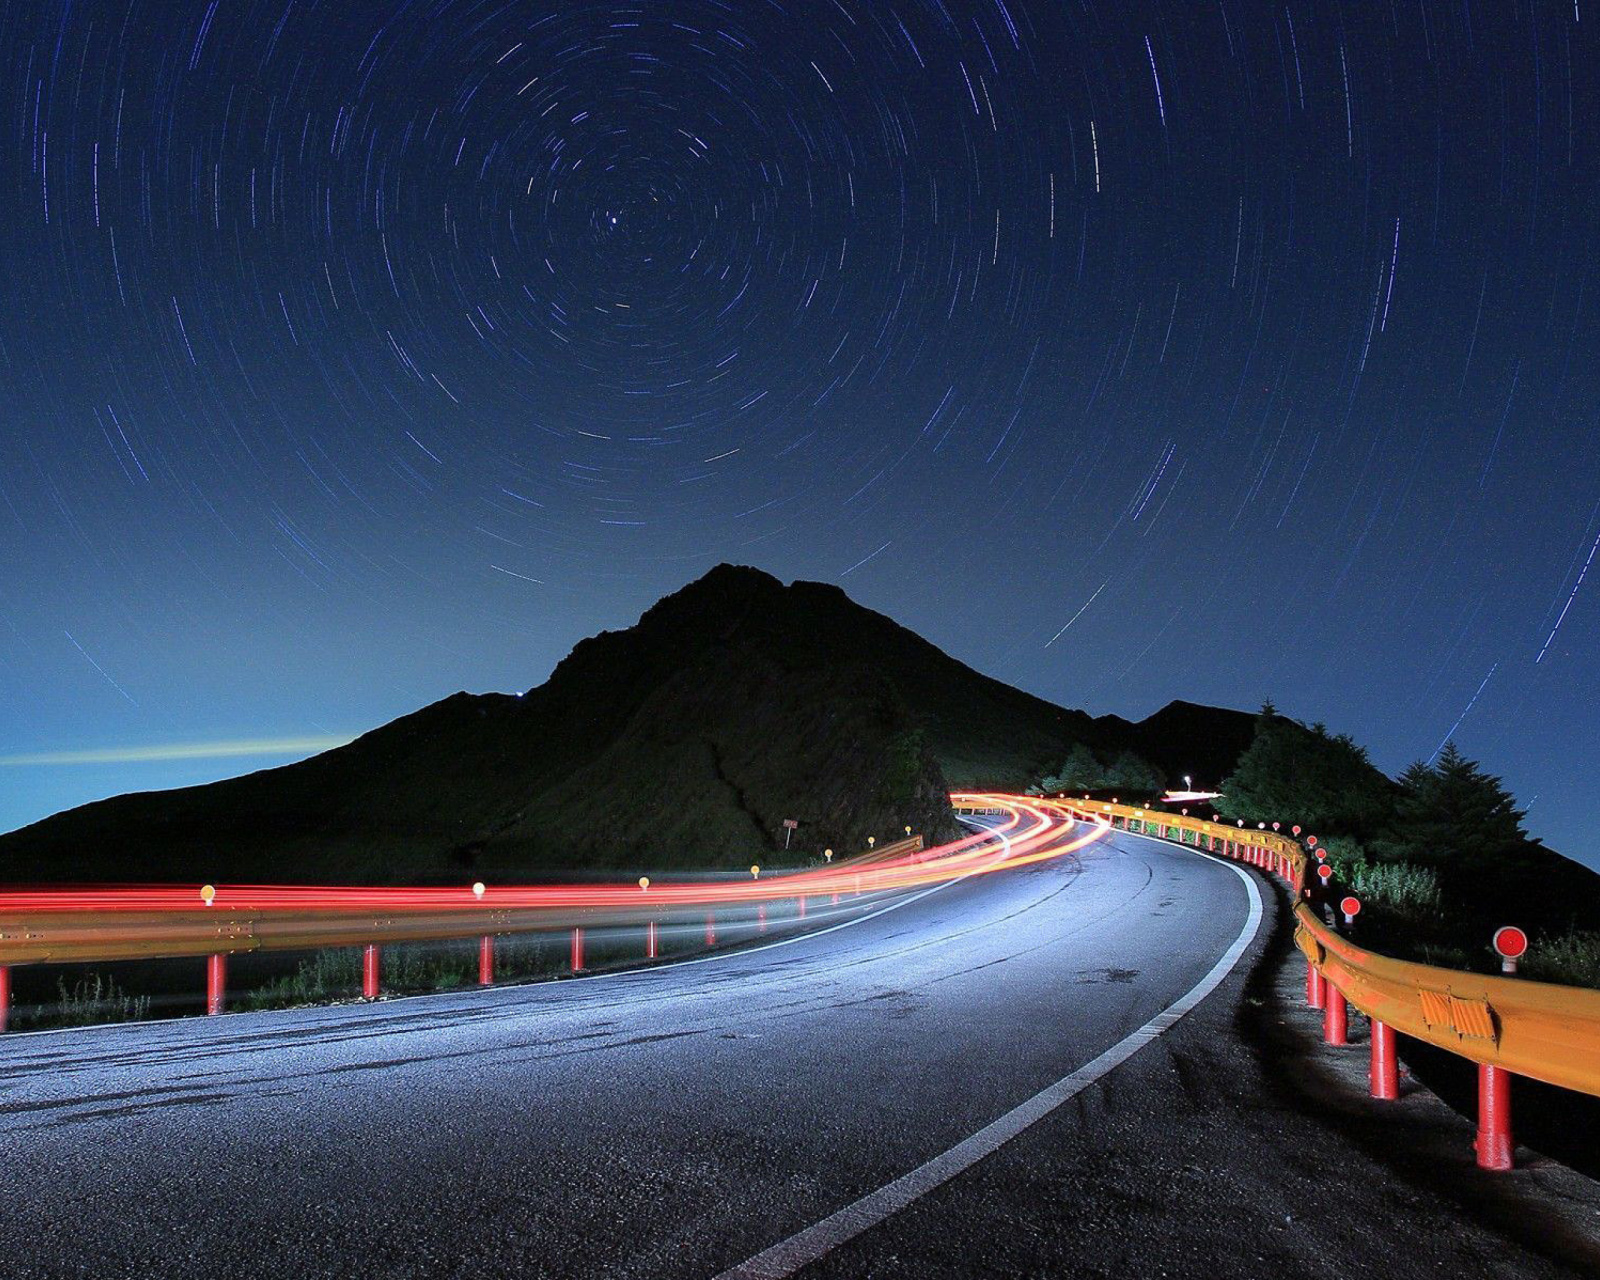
<point x="686" y="740"/>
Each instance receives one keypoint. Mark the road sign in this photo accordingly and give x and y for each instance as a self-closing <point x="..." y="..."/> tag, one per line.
<point x="789" y="824"/>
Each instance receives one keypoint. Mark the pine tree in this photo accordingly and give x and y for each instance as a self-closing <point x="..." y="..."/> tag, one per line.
<point x="1081" y="771"/>
<point x="1455" y="811"/>
<point x="1321" y="780"/>
<point x="1131" y="772"/>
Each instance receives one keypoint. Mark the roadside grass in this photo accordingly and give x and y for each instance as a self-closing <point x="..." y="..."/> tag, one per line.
<point x="92" y="1000"/>
<point x="332" y="975"/>
<point x="1407" y="890"/>
<point x="322" y="977"/>
<point x="1569" y="958"/>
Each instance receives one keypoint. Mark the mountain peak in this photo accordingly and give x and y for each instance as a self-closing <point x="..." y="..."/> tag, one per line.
<point x="735" y="703"/>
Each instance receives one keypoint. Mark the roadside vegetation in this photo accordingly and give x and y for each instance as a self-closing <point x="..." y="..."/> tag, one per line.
<point x="1438" y="856"/>
<point x="1085" y="770"/>
<point x="332" y="975"/>
<point x="92" y="1000"/>
<point x="1572" y="958"/>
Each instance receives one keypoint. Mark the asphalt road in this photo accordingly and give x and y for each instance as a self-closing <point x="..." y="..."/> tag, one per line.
<point x="668" y="1122"/>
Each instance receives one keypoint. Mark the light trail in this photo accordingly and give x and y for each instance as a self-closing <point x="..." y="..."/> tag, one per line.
<point x="1030" y="834"/>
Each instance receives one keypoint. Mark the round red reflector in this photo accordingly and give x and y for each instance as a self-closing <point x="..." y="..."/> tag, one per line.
<point x="1510" y="941"/>
<point x="1350" y="906"/>
<point x="1312" y="841"/>
<point x="1325" y="871"/>
<point x="1295" y="828"/>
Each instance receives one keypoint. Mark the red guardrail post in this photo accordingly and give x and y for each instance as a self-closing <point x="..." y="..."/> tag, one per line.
<point x="1494" y="1143"/>
<point x="761" y="917"/>
<point x="711" y="928"/>
<point x="486" y="960"/>
<point x="800" y="908"/>
<point x="5" y="996"/>
<point x="650" y="949"/>
<point x="1335" y="1017"/>
<point x="216" y="983"/>
<point x="369" y="971"/>
<point x="1316" y="986"/>
<point x="1384" y="1073"/>
<point x="577" y="950"/>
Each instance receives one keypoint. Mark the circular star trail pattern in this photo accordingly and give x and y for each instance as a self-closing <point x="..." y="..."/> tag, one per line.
<point x="357" y="352"/>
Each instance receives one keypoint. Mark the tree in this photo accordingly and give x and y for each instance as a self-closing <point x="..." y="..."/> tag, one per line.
<point x="1081" y="771"/>
<point x="1453" y="810"/>
<point x="1321" y="780"/>
<point x="1130" y="772"/>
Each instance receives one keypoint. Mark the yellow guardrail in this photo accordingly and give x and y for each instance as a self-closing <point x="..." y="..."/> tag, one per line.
<point x="1536" y="1029"/>
<point x="1505" y="1024"/>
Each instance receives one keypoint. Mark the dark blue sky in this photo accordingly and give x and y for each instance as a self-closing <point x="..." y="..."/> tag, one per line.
<point x="354" y="353"/>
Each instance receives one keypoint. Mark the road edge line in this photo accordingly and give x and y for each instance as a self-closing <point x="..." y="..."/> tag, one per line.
<point x="814" y="1242"/>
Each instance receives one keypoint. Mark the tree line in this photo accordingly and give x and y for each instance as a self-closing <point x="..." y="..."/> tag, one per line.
<point x="1440" y="851"/>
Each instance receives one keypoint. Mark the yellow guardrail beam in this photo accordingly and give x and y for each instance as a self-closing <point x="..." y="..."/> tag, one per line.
<point x="1537" y="1029"/>
<point x="1541" y="1030"/>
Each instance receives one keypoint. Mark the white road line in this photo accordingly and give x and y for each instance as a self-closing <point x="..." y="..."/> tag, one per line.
<point x="807" y="1246"/>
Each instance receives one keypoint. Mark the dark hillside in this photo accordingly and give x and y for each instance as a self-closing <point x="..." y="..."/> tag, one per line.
<point x="1186" y="739"/>
<point x="686" y="739"/>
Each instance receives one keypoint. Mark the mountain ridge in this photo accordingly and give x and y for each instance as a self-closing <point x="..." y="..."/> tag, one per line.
<point x="732" y="704"/>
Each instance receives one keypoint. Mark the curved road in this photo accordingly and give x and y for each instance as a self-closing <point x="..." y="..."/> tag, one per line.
<point x="676" y="1121"/>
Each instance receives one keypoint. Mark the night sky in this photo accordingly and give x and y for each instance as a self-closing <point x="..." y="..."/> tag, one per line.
<point x="353" y="353"/>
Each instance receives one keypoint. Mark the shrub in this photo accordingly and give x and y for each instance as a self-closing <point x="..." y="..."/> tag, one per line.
<point x="324" y="975"/>
<point x="1569" y="958"/>
<point x="1402" y="887"/>
<point x="93" y="1000"/>
<point x="335" y="973"/>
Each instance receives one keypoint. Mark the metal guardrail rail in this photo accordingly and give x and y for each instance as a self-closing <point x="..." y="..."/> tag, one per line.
<point x="1508" y="1026"/>
<point x="82" y="924"/>
<point x="51" y="926"/>
<point x="78" y="924"/>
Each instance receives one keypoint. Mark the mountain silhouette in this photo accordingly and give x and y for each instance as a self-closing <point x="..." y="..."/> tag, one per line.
<point x="686" y="740"/>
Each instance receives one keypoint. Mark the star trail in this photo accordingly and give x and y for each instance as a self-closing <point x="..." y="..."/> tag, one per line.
<point x="355" y="353"/>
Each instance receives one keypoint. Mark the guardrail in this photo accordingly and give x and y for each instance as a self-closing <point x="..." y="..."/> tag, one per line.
<point x="1508" y="1026"/>
<point x="110" y="923"/>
